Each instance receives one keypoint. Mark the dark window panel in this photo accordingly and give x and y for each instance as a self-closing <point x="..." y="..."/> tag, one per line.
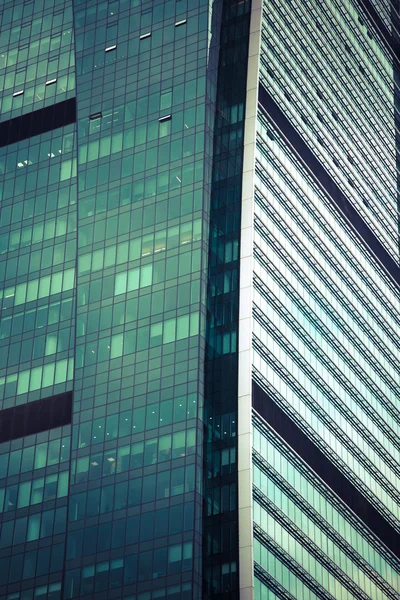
<point x="38" y="122"/>
<point x="34" y="417"/>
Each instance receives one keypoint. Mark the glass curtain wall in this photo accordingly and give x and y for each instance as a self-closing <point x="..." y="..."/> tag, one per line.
<point x="144" y="156"/>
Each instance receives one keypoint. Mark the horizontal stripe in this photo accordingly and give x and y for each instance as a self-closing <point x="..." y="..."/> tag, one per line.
<point x="34" y="417"/>
<point x="38" y="122"/>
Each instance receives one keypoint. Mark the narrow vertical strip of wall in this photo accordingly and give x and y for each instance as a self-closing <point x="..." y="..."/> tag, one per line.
<point x="246" y="579"/>
<point x="220" y="522"/>
<point x="395" y="17"/>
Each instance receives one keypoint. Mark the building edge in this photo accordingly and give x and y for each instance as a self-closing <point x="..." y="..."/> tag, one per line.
<point x="245" y="437"/>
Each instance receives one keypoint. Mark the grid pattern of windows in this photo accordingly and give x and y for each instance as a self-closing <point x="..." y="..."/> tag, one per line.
<point x="335" y="364"/>
<point x="34" y="474"/>
<point x="37" y="265"/>
<point x="36" y="55"/>
<point x="338" y="91"/>
<point x="37" y="298"/>
<point x="305" y="540"/>
<point x="129" y="297"/>
<point x="220" y="473"/>
<point x="144" y="152"/>
<point x="384" y="9"/>
<point x="325" y="311"/>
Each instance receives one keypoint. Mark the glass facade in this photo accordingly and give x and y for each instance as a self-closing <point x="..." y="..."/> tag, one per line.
<point x="37" y="263"/>
<point x="221" y="377"/>
<point x="305" y="539"/>
<point x="137" y="167"/>
<point x="325" y="305"/>
<point x="135" y="505"/>
<point x="37" y="58"/>
<point x="108" y="188"/>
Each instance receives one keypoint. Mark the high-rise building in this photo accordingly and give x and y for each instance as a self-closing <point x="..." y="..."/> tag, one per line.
<point x="319" y="303"/>
<point x="199" y="335"/>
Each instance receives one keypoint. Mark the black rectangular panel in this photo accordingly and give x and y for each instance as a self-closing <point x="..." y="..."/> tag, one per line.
<point x="37" y="122"/>
<point x="34" y="417"/>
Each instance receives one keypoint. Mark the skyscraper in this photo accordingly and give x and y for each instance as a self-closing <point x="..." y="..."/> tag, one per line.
<point x="199" y="241"/>
<point x="319" y="309"/>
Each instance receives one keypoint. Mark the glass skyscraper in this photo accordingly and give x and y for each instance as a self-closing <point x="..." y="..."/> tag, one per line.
<point x="200" y="270"/>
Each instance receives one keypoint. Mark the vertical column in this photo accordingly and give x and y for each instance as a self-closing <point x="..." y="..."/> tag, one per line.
<point x="395" y="16"/>
<point x="245" y="444"/>
<point x="37" y="295"/>
<point x="143" y="145"/>
<point x="221" y="414"/>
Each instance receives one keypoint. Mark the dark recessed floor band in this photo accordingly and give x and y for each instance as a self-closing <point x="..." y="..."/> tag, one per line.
<point x="34" y="417"/>
<point x="37" y="122"/>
